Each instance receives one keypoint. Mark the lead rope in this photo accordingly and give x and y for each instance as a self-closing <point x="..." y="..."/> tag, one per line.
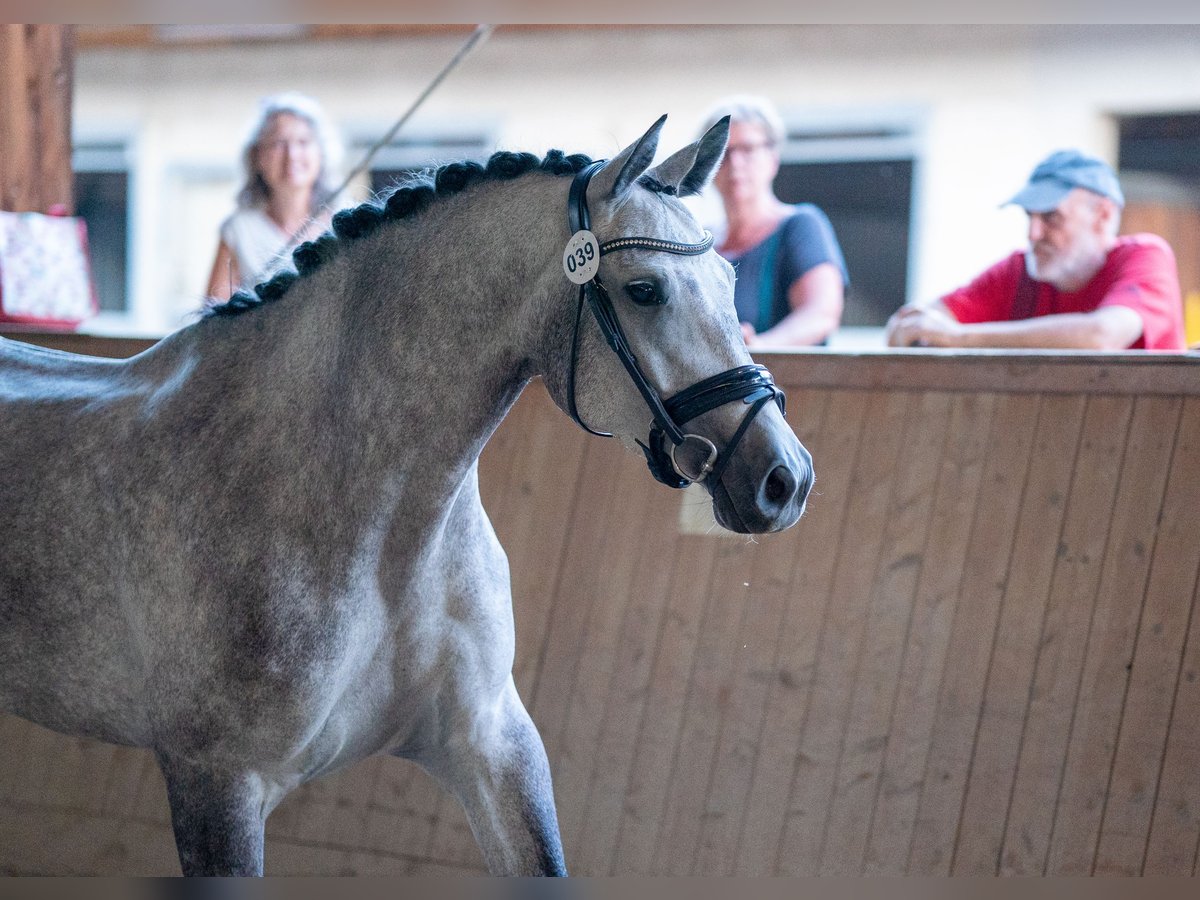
<point x="480" y="34"/>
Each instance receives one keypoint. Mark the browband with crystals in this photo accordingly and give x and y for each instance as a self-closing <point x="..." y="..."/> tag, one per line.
<point x="646" y="243"/>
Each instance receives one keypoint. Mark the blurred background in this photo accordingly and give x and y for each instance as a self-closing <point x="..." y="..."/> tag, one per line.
<point x="909" y="137"/>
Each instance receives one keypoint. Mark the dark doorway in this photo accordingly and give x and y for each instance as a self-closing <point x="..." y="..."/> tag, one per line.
<point x="1159" y="167"/>
<point x="869" y="204"/>
<point x="101" y="199"/>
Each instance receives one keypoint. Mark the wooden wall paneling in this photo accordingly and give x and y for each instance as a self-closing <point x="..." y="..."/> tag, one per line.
<point x="125" y="782"/>
<point x="1134" y="372"/>
<point x="613" y="578"/>
<point x="960" y="694"/>
<point x="862" y="534"/>
<point x="658" y="744"/>
<point x="769" y="590"/>
<point x="1101" y="699"/>
<point x="406" y="806"/>
<point x="1175" y="830"/>
<point x="710" y="691"/>
<point x="626" y="695"/>
<point x="577" y="588"/>
<point x="403" y="808"/>
<point x="866" y="731"/>
<point x="1063" y="640"/>
<point x="894" y="805"/>
<point x="1014" y="652"/>
<point x="834" y="448"/>
<point x="1153" y="683"/>
<point x="316" y="800"/>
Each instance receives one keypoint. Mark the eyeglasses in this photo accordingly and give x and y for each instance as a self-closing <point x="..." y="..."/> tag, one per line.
<point x="747" y="149"/>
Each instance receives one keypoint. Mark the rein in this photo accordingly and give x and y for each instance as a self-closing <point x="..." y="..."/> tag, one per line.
<point x="752" y="384"/>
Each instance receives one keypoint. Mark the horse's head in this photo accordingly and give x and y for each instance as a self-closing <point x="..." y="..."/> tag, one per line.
<point x="659" y="360"/>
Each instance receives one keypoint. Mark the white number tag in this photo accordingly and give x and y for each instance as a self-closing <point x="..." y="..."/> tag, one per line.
<point x="581" y="259"/>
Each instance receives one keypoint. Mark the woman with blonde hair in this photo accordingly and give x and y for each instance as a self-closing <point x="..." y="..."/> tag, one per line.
<point x="791" y="277"/>
<point x="285" y="195"/>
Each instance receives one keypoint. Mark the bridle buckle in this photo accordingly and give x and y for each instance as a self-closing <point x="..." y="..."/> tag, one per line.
<point x="709" y="464"/>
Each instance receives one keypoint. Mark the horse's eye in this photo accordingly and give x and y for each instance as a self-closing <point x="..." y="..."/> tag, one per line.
<point x="643" y="293"/>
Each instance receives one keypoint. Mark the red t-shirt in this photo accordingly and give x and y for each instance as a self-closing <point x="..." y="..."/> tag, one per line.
<point x="1139" y="273"/>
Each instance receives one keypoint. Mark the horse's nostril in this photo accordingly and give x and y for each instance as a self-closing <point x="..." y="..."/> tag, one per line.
<point x="781" y="485"/>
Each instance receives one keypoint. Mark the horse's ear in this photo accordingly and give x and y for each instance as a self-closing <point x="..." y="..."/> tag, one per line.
<point x="623" y="170"/>
<point x="689" y="170"/>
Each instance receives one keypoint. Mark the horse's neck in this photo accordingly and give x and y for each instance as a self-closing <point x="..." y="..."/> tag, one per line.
<point x="411" y="344"/>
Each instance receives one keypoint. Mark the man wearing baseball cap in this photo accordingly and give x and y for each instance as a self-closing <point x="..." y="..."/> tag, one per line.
<point x="1078" y="285"/>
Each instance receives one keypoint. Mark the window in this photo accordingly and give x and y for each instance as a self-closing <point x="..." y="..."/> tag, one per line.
<point x="102" y="200"/>
<point x="1159" y="167"/>
<point x="859" y="169"/>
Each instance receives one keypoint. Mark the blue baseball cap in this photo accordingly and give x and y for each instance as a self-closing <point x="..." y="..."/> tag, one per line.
<point x="1061" y="171"/>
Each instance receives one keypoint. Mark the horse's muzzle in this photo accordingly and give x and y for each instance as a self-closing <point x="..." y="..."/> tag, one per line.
<point x="772" y="503"/>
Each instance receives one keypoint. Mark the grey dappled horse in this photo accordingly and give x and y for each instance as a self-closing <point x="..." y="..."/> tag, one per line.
<point x="258" y="547"/>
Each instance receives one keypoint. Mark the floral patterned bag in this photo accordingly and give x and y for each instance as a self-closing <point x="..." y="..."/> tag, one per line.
<point x="45" y="273"/>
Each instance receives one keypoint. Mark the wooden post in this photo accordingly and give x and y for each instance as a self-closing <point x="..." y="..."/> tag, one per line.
<point x="36" y="66"/>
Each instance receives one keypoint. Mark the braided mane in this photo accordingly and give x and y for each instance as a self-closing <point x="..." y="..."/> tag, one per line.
<point x="406" y="201"/>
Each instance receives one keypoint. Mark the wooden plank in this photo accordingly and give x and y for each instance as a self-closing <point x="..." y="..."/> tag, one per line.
<point x="911" y="728"/>
<point x="1064" y="635"/>
<point x="1003" y="371"/>
<point x="612" y="578"/>
<point x="70" y="342"/>
<point x="1101" y="699"/>
<point x="1014" y="655"/>
<point x="407" y="807"/>
<point x="815" y="540"/>
<point x="121" y="780"/>
<point x="863" y="529"/>
<point x="960" y="695"/>
<point x="743" y="720"/>
<point x="626" y="695"/>
<point x="576" y="591"/>
<point x="1175" y="829"/>
<point x="150" y="803"/>
<point x="1153" y="684"/>
<point x="709" y="695"/>
<point x="658" y="744"/>
<point x="892" y="596"/>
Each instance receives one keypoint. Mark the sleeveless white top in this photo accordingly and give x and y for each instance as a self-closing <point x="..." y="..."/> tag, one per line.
<point x="260" y="247"/>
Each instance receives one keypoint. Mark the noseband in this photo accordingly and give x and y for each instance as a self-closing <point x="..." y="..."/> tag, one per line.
<point x="751" y="384"/>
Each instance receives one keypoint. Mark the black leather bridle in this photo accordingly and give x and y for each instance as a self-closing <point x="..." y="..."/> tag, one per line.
<point x="752" y="384"/>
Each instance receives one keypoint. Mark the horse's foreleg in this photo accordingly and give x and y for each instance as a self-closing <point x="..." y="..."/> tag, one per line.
<point x="218" y="820"/>
<point x="502" y="778"/>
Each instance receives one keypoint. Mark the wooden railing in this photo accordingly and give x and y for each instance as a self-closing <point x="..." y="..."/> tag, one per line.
<point x="975" y="654"/>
